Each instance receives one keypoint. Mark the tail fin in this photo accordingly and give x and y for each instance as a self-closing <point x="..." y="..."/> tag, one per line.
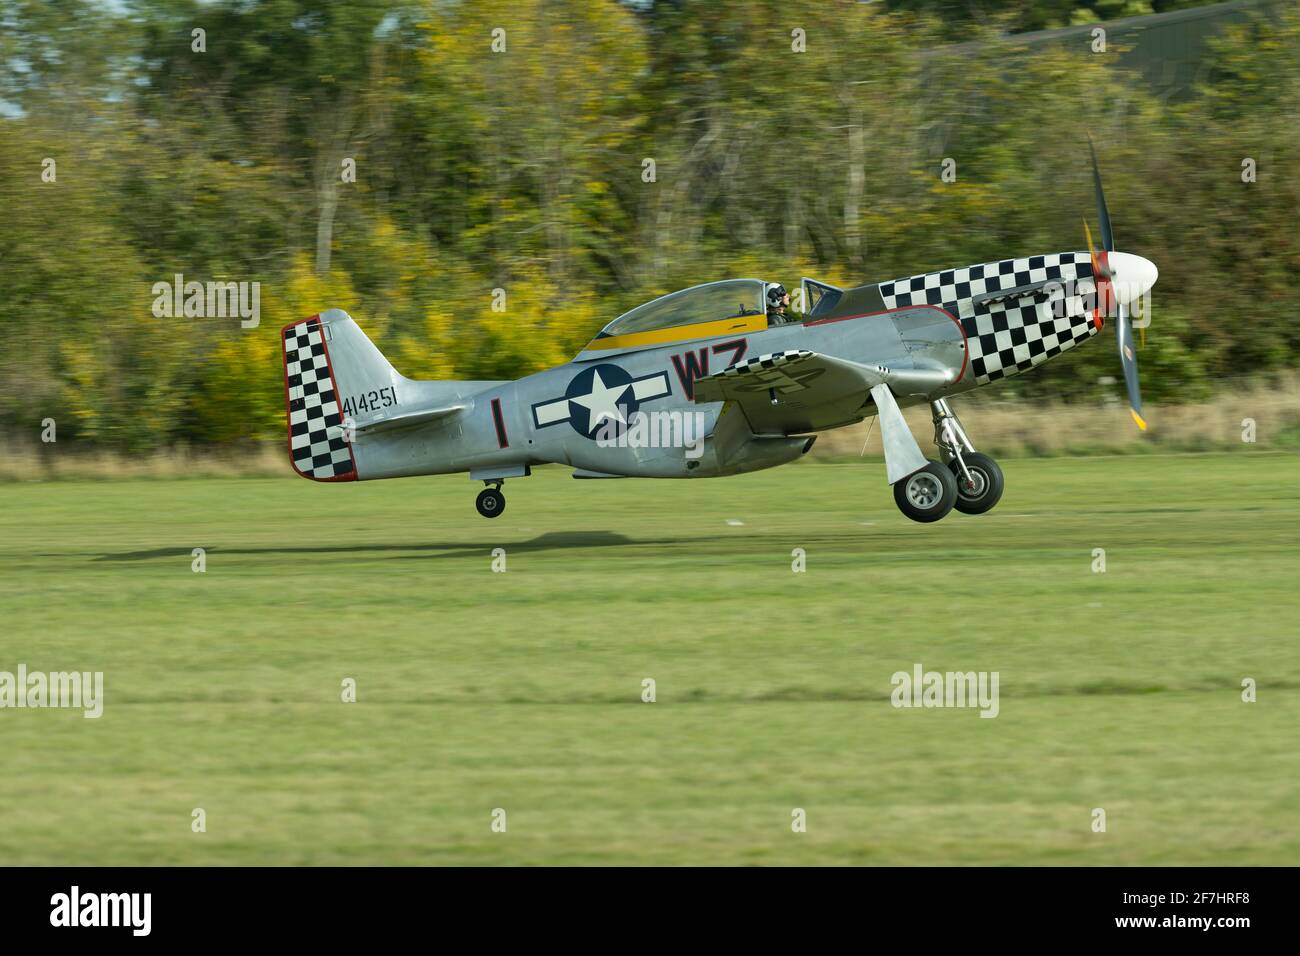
<point x="330" y="365"/>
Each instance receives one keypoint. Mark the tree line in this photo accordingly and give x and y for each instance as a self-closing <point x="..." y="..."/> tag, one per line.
<point x="484" y="185"/>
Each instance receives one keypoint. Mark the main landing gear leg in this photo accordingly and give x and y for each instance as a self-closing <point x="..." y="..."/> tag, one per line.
<point x="979" y="479"/>
<point x="491" y="501"/>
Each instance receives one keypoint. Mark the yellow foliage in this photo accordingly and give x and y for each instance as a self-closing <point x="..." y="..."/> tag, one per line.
<point x="304" y="293"/>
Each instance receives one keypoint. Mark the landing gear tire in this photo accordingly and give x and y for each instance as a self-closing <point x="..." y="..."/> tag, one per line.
<point x="926" y="495"/>
<point x="983" y="490"/>
<point x="490" y="502"/>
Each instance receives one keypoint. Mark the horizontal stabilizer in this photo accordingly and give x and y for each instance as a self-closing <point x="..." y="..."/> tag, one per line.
<point x="409" y="420"/>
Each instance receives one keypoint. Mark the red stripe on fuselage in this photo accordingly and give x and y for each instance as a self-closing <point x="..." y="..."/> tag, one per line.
<point x="502" y="440"/>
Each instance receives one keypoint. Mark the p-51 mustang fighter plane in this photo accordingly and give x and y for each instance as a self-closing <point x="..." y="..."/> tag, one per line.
<point x="733" y="386"/>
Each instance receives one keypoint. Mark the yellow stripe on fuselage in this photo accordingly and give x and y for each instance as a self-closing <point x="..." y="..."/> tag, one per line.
<point x="680" y="333"/>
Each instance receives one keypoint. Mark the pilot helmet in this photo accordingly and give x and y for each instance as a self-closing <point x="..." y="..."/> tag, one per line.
<point x="775" y="296"/>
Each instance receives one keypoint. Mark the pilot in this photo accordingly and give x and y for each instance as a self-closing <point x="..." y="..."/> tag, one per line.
<point x="778" y="302"/>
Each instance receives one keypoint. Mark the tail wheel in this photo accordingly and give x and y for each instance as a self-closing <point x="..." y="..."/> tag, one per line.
<point x="490" y="502"/>
<point x="926" y="495"/>
<point x="983" y="489"/>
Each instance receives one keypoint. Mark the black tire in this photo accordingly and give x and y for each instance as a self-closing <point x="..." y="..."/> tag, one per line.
<point x="926" y="495"/>
<point x="490" y="502"/>
<point x="988" y="480"/>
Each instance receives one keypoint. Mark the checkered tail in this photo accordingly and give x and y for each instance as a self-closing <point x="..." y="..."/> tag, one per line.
<point x="318" y="447"/>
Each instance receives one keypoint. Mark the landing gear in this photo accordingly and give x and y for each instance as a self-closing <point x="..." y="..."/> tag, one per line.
<point x="979" y="479"/>
<point x="926" y="495"/>
<point x="979" y="487"/>
<point x="491" y="501"/>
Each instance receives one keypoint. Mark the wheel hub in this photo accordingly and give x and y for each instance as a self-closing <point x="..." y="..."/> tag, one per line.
<point x="974" y="486"/>
<point x="924" y="490"/>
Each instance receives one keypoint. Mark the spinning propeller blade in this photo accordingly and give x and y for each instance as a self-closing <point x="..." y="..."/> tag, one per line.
<point x="1128" y="360"/>
<point x="1103" y="216"/>
<point x="1136" y="274"/>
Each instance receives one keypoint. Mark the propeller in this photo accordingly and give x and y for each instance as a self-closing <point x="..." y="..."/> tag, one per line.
<point x="1133" y="275"/>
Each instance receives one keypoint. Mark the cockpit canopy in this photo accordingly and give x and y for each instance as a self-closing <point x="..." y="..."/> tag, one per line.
<point x="711" y="302"/>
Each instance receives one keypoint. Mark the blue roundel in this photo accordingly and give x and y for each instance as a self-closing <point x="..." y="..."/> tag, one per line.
<point x="601" y="400"/>
<point x="600" y="394"/>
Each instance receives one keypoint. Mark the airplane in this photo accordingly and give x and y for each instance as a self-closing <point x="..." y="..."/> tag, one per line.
<point x="706" y="382"/>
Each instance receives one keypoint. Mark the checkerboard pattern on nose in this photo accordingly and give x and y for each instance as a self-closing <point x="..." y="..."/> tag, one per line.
<point x="1015" y="334"/>
<point x="316" y="443"/>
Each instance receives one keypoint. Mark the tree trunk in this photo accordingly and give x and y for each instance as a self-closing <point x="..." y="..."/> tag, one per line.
<point x="329" y="202"/>
<point x="853" y="194"/>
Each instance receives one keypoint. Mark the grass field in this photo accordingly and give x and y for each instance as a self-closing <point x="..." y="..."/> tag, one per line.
<point x="522" y="691"/>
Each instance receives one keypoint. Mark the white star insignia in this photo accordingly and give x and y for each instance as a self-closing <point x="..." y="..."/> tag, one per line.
<point x="602" y="401"/>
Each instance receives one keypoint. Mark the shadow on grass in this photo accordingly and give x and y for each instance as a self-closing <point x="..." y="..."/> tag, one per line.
<point x="551" y="541"/>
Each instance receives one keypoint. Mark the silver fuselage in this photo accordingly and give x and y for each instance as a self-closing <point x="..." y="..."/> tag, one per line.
<point x="934" y="321"/>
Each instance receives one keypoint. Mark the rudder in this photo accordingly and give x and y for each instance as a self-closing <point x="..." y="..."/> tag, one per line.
<point x="318" y="446"/>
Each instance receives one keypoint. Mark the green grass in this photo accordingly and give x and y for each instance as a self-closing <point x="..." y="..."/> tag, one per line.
<point x="522" y="690"/>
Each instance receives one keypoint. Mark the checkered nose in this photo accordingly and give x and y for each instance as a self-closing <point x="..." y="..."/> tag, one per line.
<point x="1132" y="276"/>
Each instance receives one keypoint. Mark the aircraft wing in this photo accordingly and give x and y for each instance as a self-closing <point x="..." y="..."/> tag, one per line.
<point x="797" y="390"/>
<point x="793" y="391"/>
